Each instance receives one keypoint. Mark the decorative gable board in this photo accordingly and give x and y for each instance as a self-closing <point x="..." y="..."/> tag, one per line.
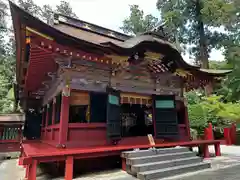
<point x="168" y="83"/>
<point x="134" y="76"/>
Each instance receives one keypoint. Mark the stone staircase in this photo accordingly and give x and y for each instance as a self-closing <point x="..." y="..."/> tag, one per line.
<point x="154" y="164"/>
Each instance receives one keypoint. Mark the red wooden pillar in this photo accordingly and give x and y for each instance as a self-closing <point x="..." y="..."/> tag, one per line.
<point x="53" y="116"/>
<point x="46" y="123"/>
<point x="43" y="125"/>
<point x="206" y="134"/>
<point x="27" y="171"/>
<point x="227" y="136"/>
<point x="64" y="116"/>
<point x="69" y="168"/>
<point x="217" y="149"/>
<point x="154" y="116"/>
<point x="206" y="153"/>
<point x="233" y="134"/>
<point x="210" y="127"/>
<point x="124" y="166"/>
<point x="33" y="170"/>
<point x="187" y="122"/>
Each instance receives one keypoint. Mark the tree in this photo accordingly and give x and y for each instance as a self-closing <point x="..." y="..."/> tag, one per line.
<point x="47" y="14"/>
<point x="194" y="22"/>
<point x="30" y="7"/>
<point x="3" y="26"/>
<point x="6" y="63"/>
<point x="65" y="9"/>
<point x="137" y="22"/>
<point x="7" y="46"/>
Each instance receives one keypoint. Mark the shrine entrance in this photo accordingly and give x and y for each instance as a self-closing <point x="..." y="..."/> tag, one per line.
<point x="136" y="120"/>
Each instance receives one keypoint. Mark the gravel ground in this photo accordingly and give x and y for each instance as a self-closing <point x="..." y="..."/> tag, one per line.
<point x="225" y="167"/>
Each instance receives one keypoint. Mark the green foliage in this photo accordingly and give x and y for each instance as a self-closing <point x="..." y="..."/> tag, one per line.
<point x="230" y="86"/>
<point x="197" y="116"/>
<point x="193" y="97"/>
<point x="65" y="8"/>
<point x="202" y="110"/>
<point x="47" y="14"/>
<point x="220" y="65"/>
<point x="30" y="6"/>
<point x="137" y="22"/>
<point x="195" y="22"/>
<point x="7" y="46"/>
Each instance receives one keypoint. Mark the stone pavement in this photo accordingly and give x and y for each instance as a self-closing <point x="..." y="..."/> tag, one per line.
<point x="230" y="173"/>
<point x="9" y="170"/>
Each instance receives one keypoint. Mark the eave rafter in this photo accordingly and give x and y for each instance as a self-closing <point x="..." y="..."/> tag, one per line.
<point x="45" y="50"/>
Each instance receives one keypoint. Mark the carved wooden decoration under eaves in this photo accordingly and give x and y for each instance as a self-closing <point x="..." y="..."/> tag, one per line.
<point x="118" y="59"/>
<point x="182" y="73"/>
<point x="153" y="56"/>
<point x="90" y="73"/>
<point x="167" y="83"/>
<point x="135" y="72"/>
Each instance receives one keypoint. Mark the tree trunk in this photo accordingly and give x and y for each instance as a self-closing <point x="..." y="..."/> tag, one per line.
<point x="202" y="38"/>
<point x="203" y="48"/>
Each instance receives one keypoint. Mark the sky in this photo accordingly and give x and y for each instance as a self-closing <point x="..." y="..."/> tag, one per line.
<point x="111" y="13"/>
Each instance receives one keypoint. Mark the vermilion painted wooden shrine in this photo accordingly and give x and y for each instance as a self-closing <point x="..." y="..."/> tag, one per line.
<point x="11" y="132"/>
<point x="91" y="92"/>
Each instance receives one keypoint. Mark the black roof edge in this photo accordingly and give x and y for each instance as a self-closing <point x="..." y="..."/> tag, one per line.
<point x="60" y="37"/>
<point x="120" y="36"/>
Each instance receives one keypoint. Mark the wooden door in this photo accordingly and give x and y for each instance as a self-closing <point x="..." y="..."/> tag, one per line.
<point x="113" y="115"/>
<point x="165" y="113"/>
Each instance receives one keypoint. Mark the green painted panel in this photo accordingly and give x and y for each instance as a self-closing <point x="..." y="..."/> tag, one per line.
<point x="238" y="126"/>
<point x="164" y="104"/>
<point x="113" y="99"/>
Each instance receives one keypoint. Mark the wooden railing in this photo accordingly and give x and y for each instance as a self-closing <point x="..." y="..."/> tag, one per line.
<point x="10" y="138"/>
<point x="10" y="133"/>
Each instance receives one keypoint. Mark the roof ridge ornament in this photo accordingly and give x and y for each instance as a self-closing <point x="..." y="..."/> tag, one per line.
<point x="158" y="31"/>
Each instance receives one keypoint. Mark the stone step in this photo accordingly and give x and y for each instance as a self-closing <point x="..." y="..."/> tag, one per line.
<point x="149" y="152"/>
<point x="164" y="164"/>
<point x="159" y="157"/>
<point x="172" y="171"/>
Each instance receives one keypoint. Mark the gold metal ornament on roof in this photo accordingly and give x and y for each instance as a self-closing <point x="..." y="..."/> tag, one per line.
<point x="118" y="59"/>
<point x="154" y="56"/>
<point x="182" y="73"/>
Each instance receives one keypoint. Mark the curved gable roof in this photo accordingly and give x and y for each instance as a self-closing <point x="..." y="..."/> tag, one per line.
<point x="98" y="41"/>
